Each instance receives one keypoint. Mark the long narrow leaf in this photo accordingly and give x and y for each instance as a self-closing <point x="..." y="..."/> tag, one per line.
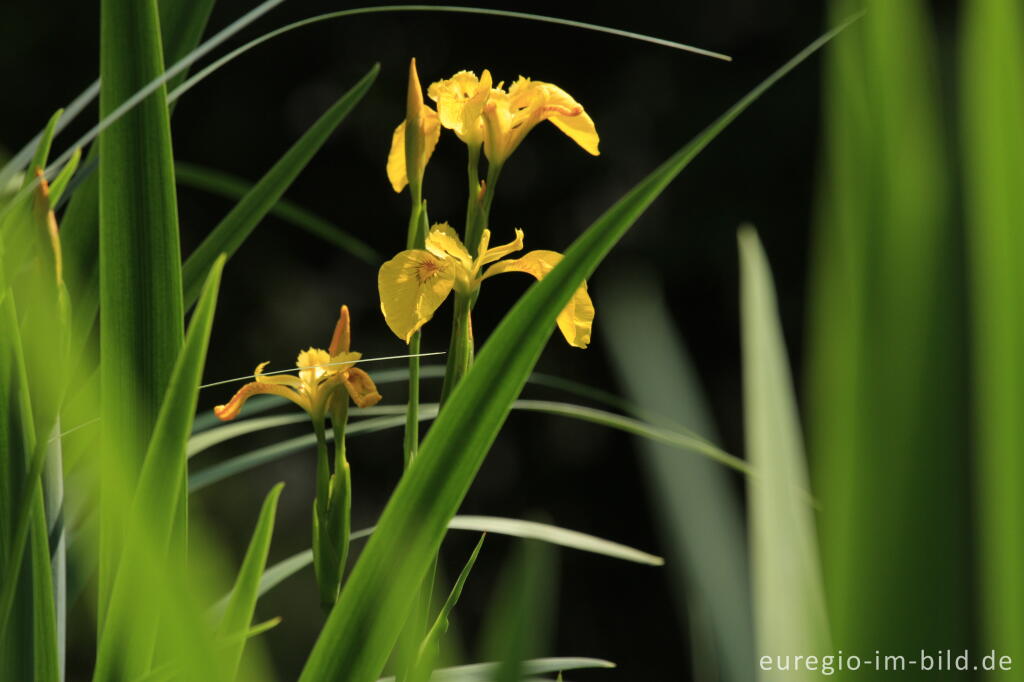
<point x="993" y="106"/>
<point x="141" y="329"/>
<point x="241" y="604"/>
<point x="789" y="602"/>
<point x="361" y="630"/>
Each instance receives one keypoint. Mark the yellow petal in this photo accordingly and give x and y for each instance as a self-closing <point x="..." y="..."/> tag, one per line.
<point x="430" y="131"/>
<point x="263" y="384"/>
<point x="412" y="286"/>
<point x="443" y="241"/>
<point x="499" y="252"/>
<point x="396" y="159"/>
<point x="342" y="334"/>
<point x="361" y="387"/>
<point x="577" y="317"/>
<point x="460" y="103"/>
<point x="568" y="115"/>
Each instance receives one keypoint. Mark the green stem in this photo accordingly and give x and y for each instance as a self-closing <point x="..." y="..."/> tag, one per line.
<point x="323" y="472"/>
<point x="415" y="240"/>
<point x="475" y="229"/>
<point x="472" y="198"/>
<point x="341" y="492"/>
<point x="460" y="349"/>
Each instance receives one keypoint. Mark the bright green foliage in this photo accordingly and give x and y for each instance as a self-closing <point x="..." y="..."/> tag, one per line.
<point x="128" y="635"/>
<point x="885" y="401"/>
<point x="992" y="109"/>
<point x="141" y="328"/>
<point x="788" y="595"/>
<point x="241" y="603"/>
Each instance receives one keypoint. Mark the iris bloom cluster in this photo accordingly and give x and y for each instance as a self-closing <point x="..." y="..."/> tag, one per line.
<point x="416" y="282"/>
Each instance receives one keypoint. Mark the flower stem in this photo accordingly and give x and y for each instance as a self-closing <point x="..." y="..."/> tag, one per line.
<point x="341" y="491"/>
<point x="460" y="349"/>
<point x="415" y="240"/>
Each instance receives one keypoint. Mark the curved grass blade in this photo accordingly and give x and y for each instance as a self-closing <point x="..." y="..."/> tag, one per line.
<point x="232" y="187"/>
<point x="360" y="633"/>
<point x="519" y="528"/>
<point x="484" y="672"/>
<point x="789" y="597"/>
<point x="241" y="603"/>
<point x="243" y="218"/>
<point x="129" y="635"/>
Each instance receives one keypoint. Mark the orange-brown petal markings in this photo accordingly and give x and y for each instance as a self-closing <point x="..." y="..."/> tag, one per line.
<point x="230" y="410"/>
<point x="342" y="334"/>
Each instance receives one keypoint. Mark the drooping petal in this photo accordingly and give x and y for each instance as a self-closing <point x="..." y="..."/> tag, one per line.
<point x="342" y="336"/>
<point x="569" y="116"/>
<point x="443" y="240"/>
<point x="273" y="385"/>
<point x="577" y="317"/>
<point x="361" y="387"/>
<point x="412" y="286"/>
<point x="499" y="252"/>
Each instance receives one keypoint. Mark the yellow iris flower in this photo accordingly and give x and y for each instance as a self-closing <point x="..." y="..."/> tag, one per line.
<point x="424" y="122"/>
<point x="478" y="112"/>
<point x="324" y="375"/>
<point x="415" y="283"/>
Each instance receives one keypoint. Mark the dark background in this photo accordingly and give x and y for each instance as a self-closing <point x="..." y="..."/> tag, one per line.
<point x="282" y="290"/>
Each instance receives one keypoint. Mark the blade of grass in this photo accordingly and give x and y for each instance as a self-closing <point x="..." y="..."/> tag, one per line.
<point x="140" y="262"/>
<point x="519" y="528"/>
<point x="360" y="632"/>
<point x="232" y="187"/>
<point x="42" y="152"/>
<point x="429" y="650"/>
<point x="887" y="361"/>
<point x="697" y="505"/>
<point x="129" y="634"/>
<point x="992" y="108"/>
<point x="788" y="595"/>
<point x="484" y="672"/>
<point x="241" y="602"/>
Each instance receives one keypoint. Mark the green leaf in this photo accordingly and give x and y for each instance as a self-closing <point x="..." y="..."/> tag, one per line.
<point x="42" y="152"/>
<point x="429" y="648"/>
<point x="141" y="328"/>
<point x="992" y="106"/>
<point x="700" y="512"/>
<point x="887" y="395"/>
<point x="528" y="530"/>
<point x="226" y="185"/>
<point x="128" y="636"/>
<point x="241" y="604"/>
<point x="247" y="214"/>
<point x="789" y="599"/>
<point x="484" y="672"/>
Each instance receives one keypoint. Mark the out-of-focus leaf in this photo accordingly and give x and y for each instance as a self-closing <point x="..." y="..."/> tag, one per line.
<point x="789" y="599"/>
